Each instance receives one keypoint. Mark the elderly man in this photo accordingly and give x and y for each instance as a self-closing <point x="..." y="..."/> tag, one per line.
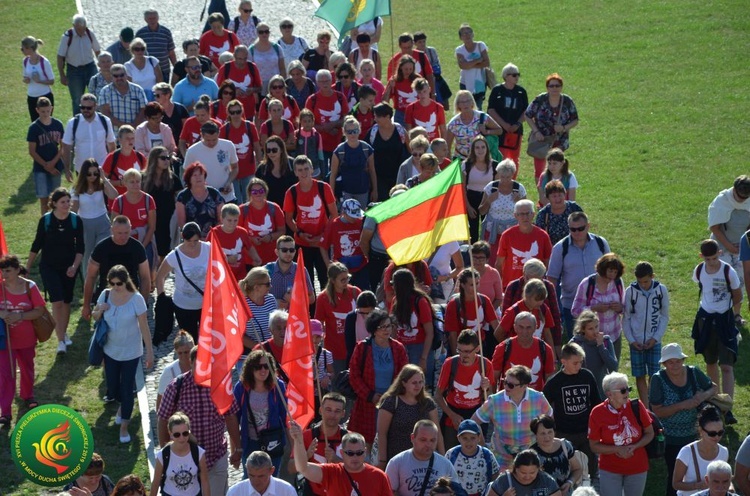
<point x="408" y="471"/>
<point x="275" y="345"/>
<point x="218" y="156"/>
<point x="330" y="107"/>
<point x="719" y="479"/>
<point x="189" y="90"/>
<point x="521" y="242"/>
<point x="159" y="41"/>
<point x="246" y="79"/>
<point x="206" y="423"/>
<point x="120" y="49"/>
<point x="728" y="219"/>
<point x="87" y="135"/>
<point x="122" y="101"/>
<point x="75" y="59"/>
<point x="260" y="480"/>
<point x="573" y="259"/>
<point x="351" y="476"/>
<point x="525" y="349"/>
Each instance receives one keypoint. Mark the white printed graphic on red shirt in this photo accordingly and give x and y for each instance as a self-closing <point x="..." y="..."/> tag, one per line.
<point x="470" y="392"/>
<point x="312" y="212"/>
<point x="521" y="257"/>
<point x="428" y="125"/>
<point x="262" y="229"/>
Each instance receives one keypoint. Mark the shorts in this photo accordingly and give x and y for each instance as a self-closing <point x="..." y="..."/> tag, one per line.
<point x="46" y="183"/>
<point x="57" y="284"/>
<point x="716" y="351"/>
<point x="645" y="361"/>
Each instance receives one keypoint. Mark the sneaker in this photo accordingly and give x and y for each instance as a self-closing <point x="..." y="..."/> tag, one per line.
<point x="729" y="418"/>
<point x="125" y="439"/>
<point x="67" y="340"/>
<point x="107" y="399"/>
<point x="61" y="348"/>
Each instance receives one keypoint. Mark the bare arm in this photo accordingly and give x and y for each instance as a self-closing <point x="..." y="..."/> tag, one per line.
<point x="440" y="444"/>
<point x="311" y="471"/>
<point x="161" y="275"/>
<point x="146" y="334"/>
<point x="384" y="423"/>
<point x="662" y="411"/>
<point x="742" y="478"/>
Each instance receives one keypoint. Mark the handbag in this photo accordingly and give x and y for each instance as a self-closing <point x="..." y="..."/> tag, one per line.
<point x="163" y="318"/>
<point x="493" y="141"/>
<point x="655" y="448"/>
<point x="44" y="324"/>
<point x="271" y="440"/>
<point x="99" y="338"/>
<point x="539" y="148"/>
<point x="490" y="77"/>
<point x="510" y="140"/>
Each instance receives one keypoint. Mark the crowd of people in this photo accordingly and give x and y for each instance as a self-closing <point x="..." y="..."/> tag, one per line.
<point x="492" y="367"/>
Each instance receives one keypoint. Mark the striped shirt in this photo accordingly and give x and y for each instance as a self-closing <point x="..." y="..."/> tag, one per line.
<point x="257" y="325"/>
<point x="158" y="43"/>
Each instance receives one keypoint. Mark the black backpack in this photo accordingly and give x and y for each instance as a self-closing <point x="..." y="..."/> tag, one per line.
<point x="166" y="454"/>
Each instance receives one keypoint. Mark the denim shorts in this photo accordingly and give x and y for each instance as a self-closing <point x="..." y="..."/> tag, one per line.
<point x="46" y="183"/>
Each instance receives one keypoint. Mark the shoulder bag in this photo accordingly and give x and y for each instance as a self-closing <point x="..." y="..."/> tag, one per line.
<point x="44" y="324"/>
<point x="179" y="262"/>
<point x="539" y="148"/>
<point x="99" y="338"/>
<point x="271" y="440"/>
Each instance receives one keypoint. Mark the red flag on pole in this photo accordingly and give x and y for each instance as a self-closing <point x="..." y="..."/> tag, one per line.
<point x="3" y="244"/>
<point x="223" y="319"/>
<point x="297" y="359"/>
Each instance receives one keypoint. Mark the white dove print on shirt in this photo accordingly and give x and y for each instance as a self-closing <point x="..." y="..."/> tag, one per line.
<point x="262" y="229"/>
<point x="521" y="257"/>
<point x="312" y="212"/>
<point x="407" y="98"/>
<point x="428" y="125"/>
<point x="237" y="250"/>
<point x="470" y="392"/>
<point x="244" y="146"/>
<point x="331" y="115"/>
<point x="536" y="368"/>
<point x="413" y="329"/>
<point x="244" y="84"/>
<point x="216" y="51"/>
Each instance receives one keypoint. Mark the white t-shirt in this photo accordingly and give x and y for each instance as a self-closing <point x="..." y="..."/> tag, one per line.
<point x="182" y="473"/>
<point x="715" y="298"/>
<point x="124" y="340"/>
<point x="686" y="456"/>
<point x="217" y="161"/>
<point x="502" y="208"/>
<point x="473" y="79"/>
<point x="90" y="206"/>
<point x="293" y="51"/>
<point x="45" y="73"/>
<point x="277" y="487"/>
<point x="185" y="295"/>
<point x="145" y="78"/>
<point x="169" y="373"/>
<point x="442" y="259"/>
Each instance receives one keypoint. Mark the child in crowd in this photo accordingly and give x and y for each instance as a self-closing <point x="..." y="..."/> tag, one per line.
<point x="341" y="243"/>
<point x="93" y="479"/>
<point x="309" y="141"/>
<point x="474" y="472"/>
<point x="235" y="242"/>
<point x="557" y="168"/>
<point x="644" y="323"/>
<point x="362" y="110"/>
<point x="439" y="148"/>
<point x="323" y="358"/>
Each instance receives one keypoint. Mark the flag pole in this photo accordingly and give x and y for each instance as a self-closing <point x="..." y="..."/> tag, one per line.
<point x="478" y="324"/>
<point x="316" y="371"/>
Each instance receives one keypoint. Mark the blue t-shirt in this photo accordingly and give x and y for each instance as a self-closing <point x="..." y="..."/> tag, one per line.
<point x="47" y="139"/>
<point x="745" y="248"/>
<point x="382" y="359"/>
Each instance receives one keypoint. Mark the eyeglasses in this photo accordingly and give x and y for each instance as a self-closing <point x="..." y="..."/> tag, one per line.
<point x="264" y="31"/>
<point x="577" y="229"/>
<point x="163" y="157"/>
<point x="137" y="49"/>
<point x="352" y="131"/>
<point x="234" y="112"/>
<point x="353" y="453"/>
<point x="624" y="390"/>
<point x="116" y="283"/>
<point x="511" y="385"/>
<point x="554" y="86"/>
<point x="258" y="191"/>
<point x="227" y="93"/>
<point x="718" y="433"/>
<point x="118" y="76"/>
<point x="389" y="325"/>
<point x="277" y="87"/>
<point x="177" y="435"/>
<point x="287" y="26"/>
<point x="194" y="67"/>
<point x="86" y="107"/>
<point x="272" y="150"/>
<point x="92" y="174"/>
<point x="287" y="250"/>
<point x="263" y="366"/>
<point x="515" y="75"/>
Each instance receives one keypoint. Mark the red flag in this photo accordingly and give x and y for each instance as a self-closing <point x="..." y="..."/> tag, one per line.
<point x="3" y="244"/>
<point x="297" y="359"/>
<point x="223" y="319"/>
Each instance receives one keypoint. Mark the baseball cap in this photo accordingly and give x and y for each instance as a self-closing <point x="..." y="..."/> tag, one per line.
<point x="468" y="425"/>
<point x="352" y="208"/>
<point x="127" y="35"/>
<point x="316" y="327"/>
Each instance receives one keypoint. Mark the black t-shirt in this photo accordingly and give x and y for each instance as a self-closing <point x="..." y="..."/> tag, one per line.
<point x="572" y="397"/>
<point x="165" y="199"/>
<point x="179" y="67"/>
<point x="108" y="254"/>
<point x="315" y="60"/>
<point x="47" y="139"/>
<point x="509" y="104"/>
<point x="174" y="121"/>
<point x="58" y="241"/>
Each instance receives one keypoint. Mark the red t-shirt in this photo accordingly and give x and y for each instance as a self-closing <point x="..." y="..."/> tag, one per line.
<point x="343" y="238"/>
<point x="456" y="321"/>
<point x="218" y="111"/>
<point x="124" y="163"/>
<point x="333" y="318"/>
<point x="249" y="77"/>
<point x="212" y="46"/>
<point x="421" y="314"/>
<point x="291" y="110"/>
<point x="430" y="117"/>
<point x="276" y="351"/>
<point x="517" y="248"/>
<point x="619" y="428"/>
<point x="244" y="144"/>
<point x="235" y="243"/>
<point x="418" y="56"/>
<point x="191" y="131"/>
<point x="287" y="129"/>
<point x="525" y="356"/>
<point x="260" y="222"/>
<point x="22" y="333"/>
<point x="310" y="212"/>
<point x="137" y="212"/>
<point x="403" y="95"/>
<point x="371" y="480"/>
<point x="328" y="109"/>
<point x="366" y="121"/>
<point x="465" y="392"/>
<point x="542" y="314"/>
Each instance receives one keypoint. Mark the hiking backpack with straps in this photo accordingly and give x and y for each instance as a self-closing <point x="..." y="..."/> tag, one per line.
<point x="566" y="245"/>
<point x="48" y="220"/>
<point x="139" y="157"/>
<point x="321" y="192"/>
<point x="591" y="285"/>
<point x="76" y="121"/>
<point x="542" y="354"/>
<point x="42" y="60"/>
<point x="69" y="34"/>
<point x="166" y="455"/>
<point x="698" y="271"/>
<point x="635" y="287"/>
<point x="236" y="23"/>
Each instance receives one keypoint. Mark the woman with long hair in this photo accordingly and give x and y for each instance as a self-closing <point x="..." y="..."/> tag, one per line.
<point x="399" y="87"/>
<point x="471" y="310"/>
<point x="124" y="310"/>
<point x="256" y="287"/>
<point x="412" y="309"/>
<point x="22" y="302"/>
<point x="130" y="485"/>
<point x="404" y="403"/>
<point x="276" y="170"/>
<point x="163" y="185"/>
<point x="262" y="408"/>
<point x="59" y="235"/>
<point x="336" y="300"/>
<point x="227" y="93"/>
<point x="89" y="199"/>
<point x="477" y="172"/>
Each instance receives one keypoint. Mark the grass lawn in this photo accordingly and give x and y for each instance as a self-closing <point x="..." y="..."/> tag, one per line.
<point x="657" y="85"/>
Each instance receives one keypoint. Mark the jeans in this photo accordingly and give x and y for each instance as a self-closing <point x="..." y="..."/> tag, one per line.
<point x="414" y="352"/>
<point x="78" y="79"/>
<point x="240" y="189"/>
<point x="120" y="382"/>
<point x="568" y="322"/>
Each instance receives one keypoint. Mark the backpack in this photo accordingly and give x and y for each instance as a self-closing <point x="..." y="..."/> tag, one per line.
<point x="276" y="48"/>
<point x="313" y="100"/>
<point x="227" y="129"/>
<point x="592" y="284"/>
<point x="268" y="127"/>
<point x="486" y="454"/>
<point x="42" y="60"/>
<point x="120" y="204"/>
<point x="69" y="34"/>
<point x="48" y="220"/>
<point x="698" y="271"/>
<point x="542" y="353"/>
<point x="76" y="121"/>
<point x="566" y="243"/>
<point x="166" y="454"/>
<point x="228" y="68"/>
<point x="438" y="333"/>
<point x="255" y="19"/>
<point x="139" y="157"/>
<point x="245" y="209"/>
<point x="655" y="447"/>
<point x="321" y="193"/>
<point x="634" y="287"/>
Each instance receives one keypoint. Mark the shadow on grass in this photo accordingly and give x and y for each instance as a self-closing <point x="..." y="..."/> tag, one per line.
<point x="24" y="195"/>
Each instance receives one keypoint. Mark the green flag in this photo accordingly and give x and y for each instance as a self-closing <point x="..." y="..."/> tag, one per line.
<point x="347" y="14"/>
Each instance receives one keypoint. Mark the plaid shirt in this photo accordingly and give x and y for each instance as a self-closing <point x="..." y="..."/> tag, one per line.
<point x="362" y="379"/>
<point x="205" y="422"/>
<point x="123" y="107"/>
<point x="514" y="293"/>
<point x="511" y="422"/>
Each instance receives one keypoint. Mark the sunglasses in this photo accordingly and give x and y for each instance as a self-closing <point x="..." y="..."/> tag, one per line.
<point x="116" y="283"/>
<point x="92" y="174"/>
<point x="416" y="154"/>
<point x="163" y="157"/>
<point x="718" y="433"/>
<point x="345" y="76"/>
<point x="286" y="26"/>
<point x="118" y="76"/>
<point x="510" y="385"/>
<point x="247" y="11"/>
<point x="235" y="112"/>
<point x="194" y="67"/>
<point x="577" y="229"/>
<point x="277" y="87"/>
<point x="178" y="435"/>
<point x="137" y="49"/>
<point x="624" y="390"/>
<point x="272" y="150"/>
<point x="264" y="31"/>
<point x="261" y="366"/>
<point x="354" y="453"/>
<point x="352" y="131"/>
<point x="287" y="250"/>
<point x="86" y="107"/>
<point x="258" y="191"/>
<point x="554" y="86"/>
